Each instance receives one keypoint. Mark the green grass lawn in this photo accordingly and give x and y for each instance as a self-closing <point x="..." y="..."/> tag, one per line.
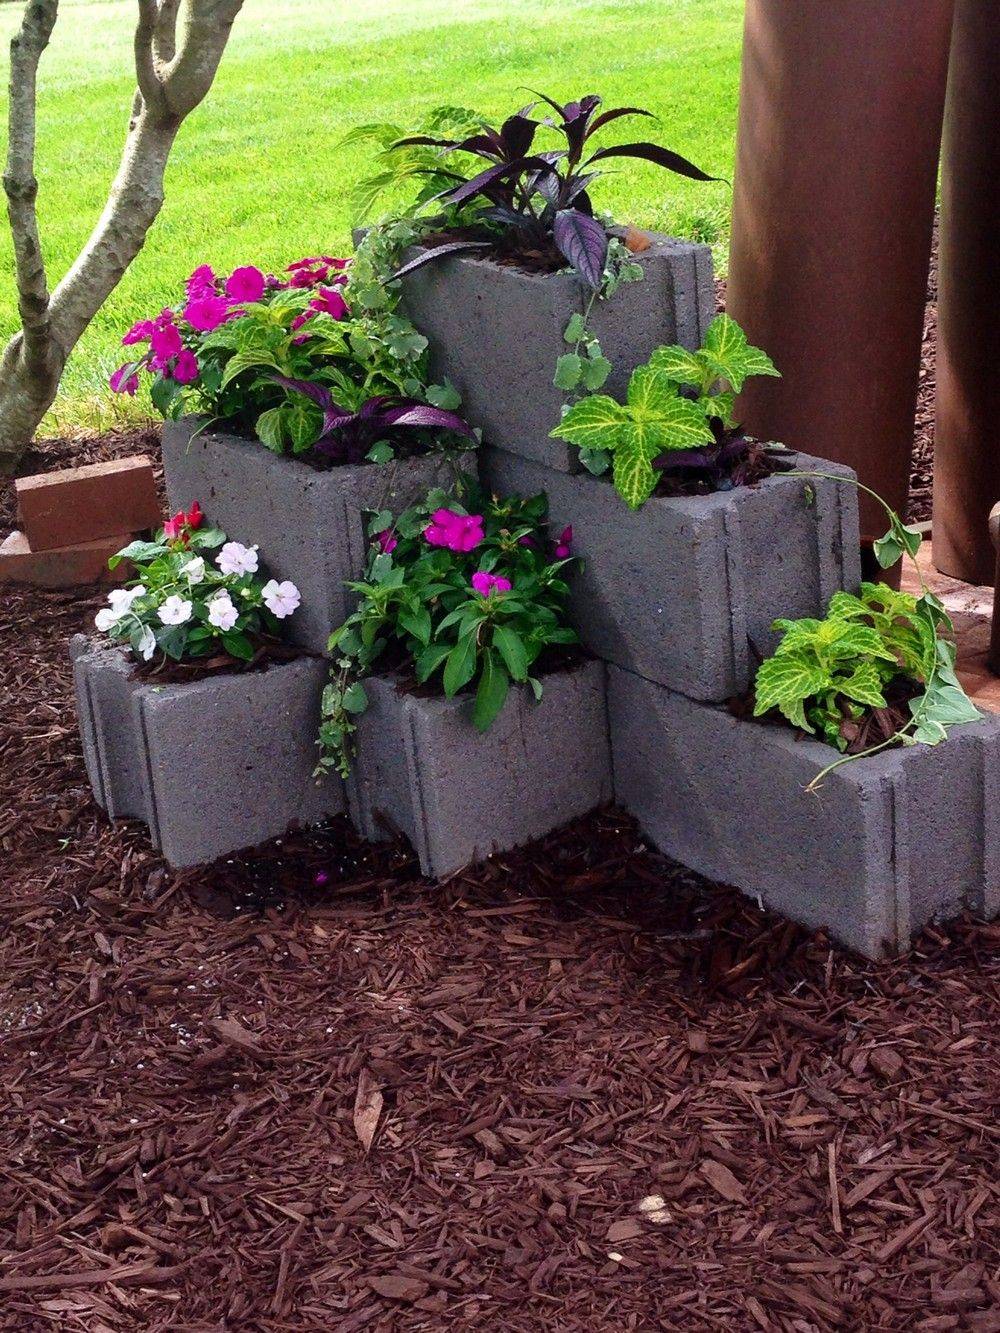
<point x="256" y="175"/>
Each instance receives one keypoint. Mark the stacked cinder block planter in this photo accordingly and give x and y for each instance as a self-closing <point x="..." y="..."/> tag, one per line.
<point x="884" y="845"/>
<point x="495" y="331"/>
<point x="210" y="766"/>
<point x="683" y="591"/>
<point x="311" y="522"/>
<point x="458" y="794"/>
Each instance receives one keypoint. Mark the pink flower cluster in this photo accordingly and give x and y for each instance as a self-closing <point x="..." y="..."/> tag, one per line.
<point x="211" y="301"/>
<point x="457" y="532"/>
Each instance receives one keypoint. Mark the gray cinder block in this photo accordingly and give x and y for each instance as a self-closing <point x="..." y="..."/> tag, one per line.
<point x="210" y="767"/>
<point x="459" y="794"/>
<point x="683" y="591"/>
<point x="885" y="845"/>
<point x="496" y="332"/>
<point x="310" y="524"/>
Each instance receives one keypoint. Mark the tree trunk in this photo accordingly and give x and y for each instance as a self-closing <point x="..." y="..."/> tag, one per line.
<point x="172" y="81"/>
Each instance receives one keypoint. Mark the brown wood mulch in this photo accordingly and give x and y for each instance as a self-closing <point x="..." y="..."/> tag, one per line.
<point x="577" y="1088"/>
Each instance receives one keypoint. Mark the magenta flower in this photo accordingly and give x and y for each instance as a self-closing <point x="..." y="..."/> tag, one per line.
<point x="206" y="313"/>
<point x="386" y="540"/>
<point x="487" y="584"/>
<point x="245" y="284"/>
<point x="328" y="301"/>
<point x="124" y="380"/>
<point x="313" y="271"/>
<point x="201" y="282"/>
<point x="457" y="532"/>
<point x="564" y="544"/>
<point x="165" y="343"/>
<point x="139" y="333"/>
<point x="186" y="369"/>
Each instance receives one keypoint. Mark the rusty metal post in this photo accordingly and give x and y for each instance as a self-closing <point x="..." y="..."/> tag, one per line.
<point x="841" y="104"/>
<point x="967" y="430"/>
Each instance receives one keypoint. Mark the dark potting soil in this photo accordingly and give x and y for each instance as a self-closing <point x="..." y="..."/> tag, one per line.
<point x="512" y="250"/>
<point x="267" y="652"/>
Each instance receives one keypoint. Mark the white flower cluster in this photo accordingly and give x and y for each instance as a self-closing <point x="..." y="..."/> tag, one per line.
<point x="234" y="559"/>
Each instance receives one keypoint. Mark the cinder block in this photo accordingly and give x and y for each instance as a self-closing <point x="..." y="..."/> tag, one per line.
<point x="210" y="766"/>
<point x="66" y="567"/>
<point x="310" y="524"/>
<point x="496" y="332"/>
<point x="683" y="591"/>
<point x="80" y="504"/>
<point x="885" y="845"/>
<point x="459" y="794"/>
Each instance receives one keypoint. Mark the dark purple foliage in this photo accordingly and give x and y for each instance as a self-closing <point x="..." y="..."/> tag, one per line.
<point x="541" y="199"/>
<point x="347" y="436"/>
<point x="733" y="459"/>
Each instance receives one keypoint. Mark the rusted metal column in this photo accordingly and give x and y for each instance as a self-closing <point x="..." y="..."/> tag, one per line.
<point x="967" y="431"/>
<point x="841" y="104"/>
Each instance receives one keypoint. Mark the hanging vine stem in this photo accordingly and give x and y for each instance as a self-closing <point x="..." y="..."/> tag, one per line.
<point x="936" y="615"/>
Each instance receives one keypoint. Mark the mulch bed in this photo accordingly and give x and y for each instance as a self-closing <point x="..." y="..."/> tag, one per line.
<point x="575" y="1088"/>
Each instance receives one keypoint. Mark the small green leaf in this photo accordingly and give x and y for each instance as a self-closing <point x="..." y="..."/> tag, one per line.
<point x="596" y="461"/>
<point x="786" y="679"/>
<point x="511" y="649"/>
<point x="427" y="662"/>
<point x="491" y="692"/>
<point x="381" y="452"/>
<point x="444" y="395"/>
<point x="596" y="370"/>
<point x="460" y="665"/>
<point x="575" y="329"/>
<point x="238" y="645"/>
<point x="569" y="368"/>
<point x="354" y="699"/>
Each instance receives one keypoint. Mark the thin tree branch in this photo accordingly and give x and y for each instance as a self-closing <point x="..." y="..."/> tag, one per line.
<point x="206" y="31"/>
<point x="165" y="34"/>
<point x="146" y="74"/>
<point x="19" y="181"/>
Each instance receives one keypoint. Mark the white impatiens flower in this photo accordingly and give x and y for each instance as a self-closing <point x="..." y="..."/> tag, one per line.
<point x="175" y="610"/>
<point x="281" y="599"/>
<point x="234" y="558"/>
<point x="146" y="646"/>
<point x="121" y="599"/>
<point x="221" y="612"/>
<point x="194" y="569"/>
<point x="105" y="618"/>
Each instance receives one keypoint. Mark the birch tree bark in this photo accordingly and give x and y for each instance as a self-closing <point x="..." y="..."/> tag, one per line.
<point x="177" y="46"/>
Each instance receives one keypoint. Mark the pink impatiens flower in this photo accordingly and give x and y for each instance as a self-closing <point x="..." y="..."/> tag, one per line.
<point x="386" y="540"/>
<point x="165" y="343"/>
<point x="186" y="368"/>
<point x="245" y="284"/>
<point x="312" y="271"/>
<point x="328" y="301"/>
<point x="201" y="282"/>
<point x="140" y="332"/>
<point x="457" y="532"/>
<point x="124" y="380"/>
<point x="487" y="584"/>
<point x="206" y="313"/>
<point x="564" y="544"/>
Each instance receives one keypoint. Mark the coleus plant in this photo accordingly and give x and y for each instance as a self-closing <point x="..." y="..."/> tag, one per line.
<point x="465" y="590"/>
<point x="231" y="349"/>
<point x="195" y="595"/>
<point x="825" y="674"/>
<point x="538" y="199"/>
<point x="678" y="405"/>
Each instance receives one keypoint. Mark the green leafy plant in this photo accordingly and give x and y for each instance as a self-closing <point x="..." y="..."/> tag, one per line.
<point x="465" y="591"/>
<point x="676" y="402"/>
<point x="826" y="674"/>
<point x="195" y="596"/>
